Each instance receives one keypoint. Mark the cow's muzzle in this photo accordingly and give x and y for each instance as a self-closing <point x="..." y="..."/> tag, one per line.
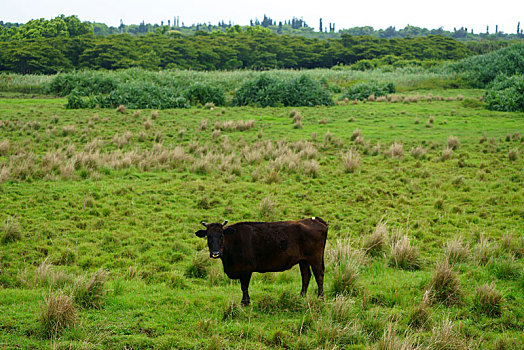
<point x="215" y="255"/>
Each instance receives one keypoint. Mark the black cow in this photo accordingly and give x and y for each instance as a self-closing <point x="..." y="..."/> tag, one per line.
<point x="248" y="247"/>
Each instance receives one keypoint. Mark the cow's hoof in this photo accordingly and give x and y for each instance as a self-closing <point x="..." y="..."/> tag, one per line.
<point x="245" y="302"/>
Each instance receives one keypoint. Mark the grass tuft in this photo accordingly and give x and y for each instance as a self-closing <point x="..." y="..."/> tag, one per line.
<point x="375" y="243"/>
<point x="456" y="251"/>
<point x="199" y="266"/>
<point x="445" y="337"/>
<point x="351" y="161"/>
<point x="12" y="231"/>
<point x="57" y="313"/>
<point x="445" y="285"/>
<point x="404" y="255"/>
<point x="90" y="292"/>
<point x="488" y="300"/>
<point x="453" y="143"/>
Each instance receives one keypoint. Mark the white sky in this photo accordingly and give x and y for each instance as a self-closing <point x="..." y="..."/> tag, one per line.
<point x="345" y="14"/>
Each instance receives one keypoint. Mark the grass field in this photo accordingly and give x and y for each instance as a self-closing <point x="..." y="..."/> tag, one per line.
<point x="98" y="209"/>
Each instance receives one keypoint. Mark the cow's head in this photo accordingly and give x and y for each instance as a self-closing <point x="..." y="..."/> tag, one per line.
<point x="215" y="237"/>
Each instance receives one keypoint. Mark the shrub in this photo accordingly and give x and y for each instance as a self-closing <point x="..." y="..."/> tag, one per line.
<point x="404" y="255"/>
<point x="270" y="91"/>
<point x="480" y="70"/>
<point x="506" y="94"/>
<point x="362" y="91"/>
<point x="90" y="293"/>
<point x="445" y="285"/>
<point x="205" y="94"/>
<point x="488" y="300"/>
<point x="56" y="313"/>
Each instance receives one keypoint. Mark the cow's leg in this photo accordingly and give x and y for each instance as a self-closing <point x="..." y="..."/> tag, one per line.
<point x="305" y="271"/>
<point x="318" y="272"/>
<point x="244" y="284"/>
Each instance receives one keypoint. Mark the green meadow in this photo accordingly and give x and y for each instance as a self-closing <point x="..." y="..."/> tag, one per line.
<point x="424" y="198"/>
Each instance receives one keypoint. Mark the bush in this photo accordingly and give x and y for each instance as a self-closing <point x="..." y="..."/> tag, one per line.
<point x="205" y="93"/>
<point x="269" y="91"/>
<point x="506" y="94"/>
<point x="362" y="91"/>
<point x="480" y="70"/>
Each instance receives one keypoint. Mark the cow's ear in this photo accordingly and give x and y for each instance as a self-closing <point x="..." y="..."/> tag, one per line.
<point x="229" y="231"/>
<point x="201" y="233"/>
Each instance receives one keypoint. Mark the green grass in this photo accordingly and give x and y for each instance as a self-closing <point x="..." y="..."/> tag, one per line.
<point x="136" y="219"/>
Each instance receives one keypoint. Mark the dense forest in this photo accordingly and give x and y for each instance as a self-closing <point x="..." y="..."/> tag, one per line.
<point x="66" y="43"/>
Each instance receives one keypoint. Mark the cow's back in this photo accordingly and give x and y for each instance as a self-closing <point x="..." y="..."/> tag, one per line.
<point x="273" y="246"/>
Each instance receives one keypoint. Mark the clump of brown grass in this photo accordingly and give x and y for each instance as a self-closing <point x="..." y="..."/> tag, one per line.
<point x="267" y="208"/>
<point x="513" y="154"/>
<point x="203" y="125"/>
<point x="404" y="255"/>
<point x="57" y="313"/>
<point x="483" y="139"/>
<point x="391" y="341"/>
<point x="209" y="105"/>
<point x="4" y="147"/>
<point x="447" y="153"/>
<point x="311" y="167"/>
<point x="445" y="337"/>
<point x="121" y="109"/>
<point x="323" y="121"/>
<point x="488" y="300"/>
<point x="453" y="143"/>
<point x="90" y="293"/>
<point x="351" y="161"/>
<point x="347" y="262"/>
<point x="513" y="245"/>
<point x="121" y="141"/>
<point x="216" y="134"/>
<point x="445" y="285"/>
<point x="68" y="130"/>
<point x="148" y="124"/>
<point x="154" y="115"/>
<point x="420" y="315"/>
<point x="483" y="251"/>
<point x="375" y="243"/>
<point x="456" y="251"/>
<point x="12" y="231"/>
<point x="396" y="150"/>
<point x="356" y="133"/>
<point x="418" y="152"/>
<point x="327" y="138"/>
<point x="298" y="124"/>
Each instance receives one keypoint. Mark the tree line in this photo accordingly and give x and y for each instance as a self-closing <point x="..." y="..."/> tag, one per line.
<point x="294" y="26"/>
<point x="251" y="48"/>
